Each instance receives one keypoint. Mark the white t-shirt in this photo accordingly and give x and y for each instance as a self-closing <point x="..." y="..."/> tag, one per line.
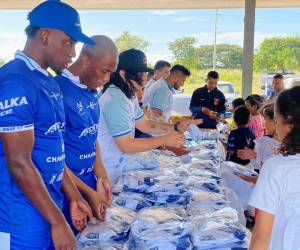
<point x="265" y="148"/>
<point x="277" y="192"/>
<point x="118" y="116"/>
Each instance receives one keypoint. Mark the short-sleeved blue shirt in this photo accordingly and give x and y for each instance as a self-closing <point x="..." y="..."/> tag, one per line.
<point x="82" y="121"/>
<point x="30" y="99"/>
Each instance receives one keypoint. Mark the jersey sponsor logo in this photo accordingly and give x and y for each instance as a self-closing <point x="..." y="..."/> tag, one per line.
<point x="54" y="95"/>
<point x="13" y="102"/>
<point x="80" y="107"/>
<point x="92" y="105"/>
<point x="56" y="177"/>
<point x="55" y="127"/>
<point x="89" y="131"/>
<point x="85" y="170"/>
<point x="53" y="159"/>
<point x="6" y="112"/>
<point x="87" y="156"/>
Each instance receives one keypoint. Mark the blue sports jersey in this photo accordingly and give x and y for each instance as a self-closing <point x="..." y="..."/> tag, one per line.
<point x="30" y="99"/>
<point x="82" y="118"/>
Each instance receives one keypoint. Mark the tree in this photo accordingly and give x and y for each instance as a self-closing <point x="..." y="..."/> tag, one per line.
<point x="127" y="41"/>
<point x="1" y="62"/>
<point x="228" y="56"/>
<point x="278" y="53"/>
<point x="185" y="52"/>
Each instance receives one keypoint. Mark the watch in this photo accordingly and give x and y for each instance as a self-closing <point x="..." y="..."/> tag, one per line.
<point x="176" y="127"/>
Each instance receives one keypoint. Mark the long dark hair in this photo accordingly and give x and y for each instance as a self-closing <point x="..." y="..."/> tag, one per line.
<point x="126" y="86"/>
<point x="288" y="106"/>
<point x="268" y="111"/>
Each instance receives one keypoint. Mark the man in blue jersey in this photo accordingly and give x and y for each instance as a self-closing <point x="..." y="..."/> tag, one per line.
<point x="32" y="164"/>
<point x="79" y="84"/>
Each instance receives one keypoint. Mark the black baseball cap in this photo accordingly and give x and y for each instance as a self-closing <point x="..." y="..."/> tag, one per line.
<point x="54" y="14"/>
<point x="133" y="60"/>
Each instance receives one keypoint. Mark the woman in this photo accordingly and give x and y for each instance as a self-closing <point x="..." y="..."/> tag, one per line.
<point x="276" y="195"/>
<point x="121" y="113"/>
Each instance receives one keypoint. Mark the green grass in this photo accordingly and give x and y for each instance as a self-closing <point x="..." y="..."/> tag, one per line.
<point x="197" y="79"/>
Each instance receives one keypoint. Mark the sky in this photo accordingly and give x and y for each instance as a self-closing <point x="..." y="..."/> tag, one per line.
<point x="162" y="27"/>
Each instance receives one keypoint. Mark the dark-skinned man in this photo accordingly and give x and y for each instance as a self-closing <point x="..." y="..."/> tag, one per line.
<point x="32" y="166"/>
<point x="79" y="84"/>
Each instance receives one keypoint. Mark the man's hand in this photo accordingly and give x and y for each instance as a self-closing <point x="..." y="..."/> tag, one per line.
<point x="183" y="126"/>
<point x="105" y="189"/>
<point x="62" y="236"/>
<point x="80" y="212"/>
<point x="246" y="154"/>
<point x="98" y="202"/>
<point x="173" y="140"/>
<point x="206" y="111"/>
<point x="251" y="179"/>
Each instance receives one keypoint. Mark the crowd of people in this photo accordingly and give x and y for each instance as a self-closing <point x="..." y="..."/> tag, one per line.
<point x="64" y="142"/>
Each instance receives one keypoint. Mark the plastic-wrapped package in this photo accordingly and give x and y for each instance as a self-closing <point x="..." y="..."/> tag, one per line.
<point x="156" y="215"/>
<point x="171" y="236"/>
<point x="204" y="196"/>
<point x="133" y="201"/>
<point x="209" y="134"/>
<point x="200" y="169"/>
<point x="207" y="144"/>
<point x="135" y="181"/>
<point x="245" y="170"/>
<point x="177" y="173"/>
<point x="141" y="161"/>
<point x="195" y="133"/>
<point x="168" y="192"/>
<point x="198" y="163"/>
<point x="115" y="229"/>
<point x="198" y="181"/>
<point x="201" y="210"/>
<point x="190" y="144"/>
<point x="213" y="234"/>
<point x="224" y="128"/>
<point x="161" y="229"/>
<point x="96" y="245"/>
<point x="206" y="154"/>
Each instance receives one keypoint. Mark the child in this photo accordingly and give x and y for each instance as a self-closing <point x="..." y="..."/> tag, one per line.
<point x="276" y="195"/>
<point x="256" y="122"/>
<point x="234" y="105"/>
<point x="265" y="147"/>
<point x="241" y="137"/>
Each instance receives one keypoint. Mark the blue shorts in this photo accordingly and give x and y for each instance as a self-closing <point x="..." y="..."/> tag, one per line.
<point x="89" y="180"/>
<point x="39" y="240"/>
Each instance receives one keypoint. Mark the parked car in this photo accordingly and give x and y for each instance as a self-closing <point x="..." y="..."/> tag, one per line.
<point x="181" y="102"/>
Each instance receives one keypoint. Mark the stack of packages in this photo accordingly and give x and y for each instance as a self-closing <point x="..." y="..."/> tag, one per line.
<point x="170" y="204"/>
